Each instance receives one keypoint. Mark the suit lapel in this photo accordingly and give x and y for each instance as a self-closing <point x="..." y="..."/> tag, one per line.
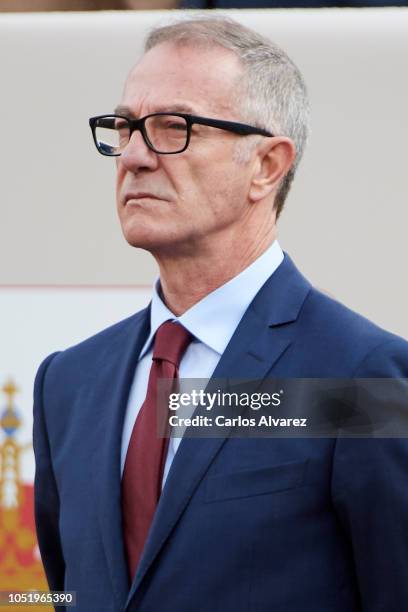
<point x="263" y="335"/>
<point x="115" y="372"/>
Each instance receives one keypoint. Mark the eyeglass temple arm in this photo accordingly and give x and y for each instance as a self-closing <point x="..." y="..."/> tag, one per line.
<point x="238" y="128"/>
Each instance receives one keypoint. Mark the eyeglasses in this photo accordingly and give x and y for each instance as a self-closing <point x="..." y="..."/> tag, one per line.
<point x="163" y="133"/>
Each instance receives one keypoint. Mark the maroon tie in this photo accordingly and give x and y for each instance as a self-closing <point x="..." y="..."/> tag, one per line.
<point x="146" y="455"/>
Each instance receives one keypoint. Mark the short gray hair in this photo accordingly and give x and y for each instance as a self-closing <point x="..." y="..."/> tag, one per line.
<point x="272" y="94"/>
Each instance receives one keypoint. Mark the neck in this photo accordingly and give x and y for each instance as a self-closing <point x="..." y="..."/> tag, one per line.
<point x="187" y="279"/>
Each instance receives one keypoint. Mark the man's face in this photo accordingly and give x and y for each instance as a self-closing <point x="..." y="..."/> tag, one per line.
<point x="180" y="203"/>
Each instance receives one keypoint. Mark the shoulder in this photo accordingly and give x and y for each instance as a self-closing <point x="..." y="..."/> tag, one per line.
<point x="366" y="347"/>
<point x="95" y="350"/>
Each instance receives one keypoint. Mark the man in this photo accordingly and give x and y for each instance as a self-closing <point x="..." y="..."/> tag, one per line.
<point x="211" y="126"/>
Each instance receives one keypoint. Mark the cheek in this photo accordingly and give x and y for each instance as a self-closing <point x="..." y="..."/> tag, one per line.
<point x="214" y="169"/>
<point x="224" y="180"/>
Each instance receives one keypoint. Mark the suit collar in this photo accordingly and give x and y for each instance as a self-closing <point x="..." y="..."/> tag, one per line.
<point x="282" y="297"/>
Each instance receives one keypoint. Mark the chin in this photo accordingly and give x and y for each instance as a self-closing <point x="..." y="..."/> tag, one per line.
<point x="145" y="238"/>
<point x="157" y="235"/>
<point x="140" y="240"/>
<point x="159" y="244"/>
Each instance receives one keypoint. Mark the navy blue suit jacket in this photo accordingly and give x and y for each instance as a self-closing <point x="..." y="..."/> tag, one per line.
<point x="243" y="525"/>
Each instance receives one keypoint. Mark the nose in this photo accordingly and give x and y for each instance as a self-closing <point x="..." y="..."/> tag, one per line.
<point x="137" y="156"/>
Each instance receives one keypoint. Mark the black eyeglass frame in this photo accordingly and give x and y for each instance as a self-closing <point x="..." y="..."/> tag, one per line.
<point x="242" y="129"/>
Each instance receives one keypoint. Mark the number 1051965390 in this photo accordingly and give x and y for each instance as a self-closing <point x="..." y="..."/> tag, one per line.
<point x="66" y="598"/>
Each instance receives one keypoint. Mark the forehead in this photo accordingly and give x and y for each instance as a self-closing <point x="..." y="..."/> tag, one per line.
<point x="203" y="79"/>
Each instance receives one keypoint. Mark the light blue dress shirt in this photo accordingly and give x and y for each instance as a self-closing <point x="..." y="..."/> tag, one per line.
<point x="212" y="322"/>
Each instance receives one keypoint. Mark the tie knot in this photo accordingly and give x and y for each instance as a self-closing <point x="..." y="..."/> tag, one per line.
<point x="170" y="342"/>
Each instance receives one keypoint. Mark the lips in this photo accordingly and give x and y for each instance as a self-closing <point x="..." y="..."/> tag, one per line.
<point x="139" y="195"/>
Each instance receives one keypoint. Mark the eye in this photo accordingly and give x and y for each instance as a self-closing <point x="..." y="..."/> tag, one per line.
<point x="173" y="126"/>
<point x="177" y="126"/>
<point x="170" y="127"/>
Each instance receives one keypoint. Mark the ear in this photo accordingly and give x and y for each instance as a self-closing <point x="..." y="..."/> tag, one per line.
<point x="274" y="158"/>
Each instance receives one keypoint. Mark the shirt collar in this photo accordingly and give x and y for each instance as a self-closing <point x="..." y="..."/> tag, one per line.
<point x="224" y="307"/>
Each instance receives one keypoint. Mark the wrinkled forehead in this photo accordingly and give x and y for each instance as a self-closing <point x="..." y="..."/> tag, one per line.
<point x="204" y="78"/>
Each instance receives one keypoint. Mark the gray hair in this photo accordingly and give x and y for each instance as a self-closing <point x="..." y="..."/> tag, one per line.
<point x="272" y="94"/>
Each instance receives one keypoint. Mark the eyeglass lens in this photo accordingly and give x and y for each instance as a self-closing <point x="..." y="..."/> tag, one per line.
<point x="166" y="133"/>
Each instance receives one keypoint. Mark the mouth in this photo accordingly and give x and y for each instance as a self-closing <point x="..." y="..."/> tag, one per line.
<point x="135" y="198"/>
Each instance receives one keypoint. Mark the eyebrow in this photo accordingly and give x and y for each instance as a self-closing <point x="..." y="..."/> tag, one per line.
<point x="173" y="108"/>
